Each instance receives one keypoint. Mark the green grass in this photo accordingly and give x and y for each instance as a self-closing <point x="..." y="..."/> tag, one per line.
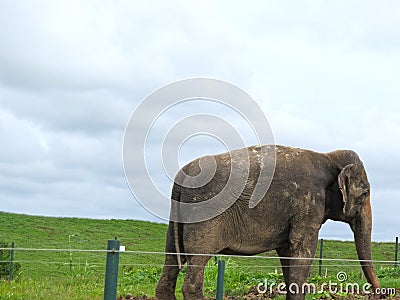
<point x="80" y="275"/>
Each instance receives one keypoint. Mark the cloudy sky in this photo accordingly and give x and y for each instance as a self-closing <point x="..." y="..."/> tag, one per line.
<point x="326" y="75"/>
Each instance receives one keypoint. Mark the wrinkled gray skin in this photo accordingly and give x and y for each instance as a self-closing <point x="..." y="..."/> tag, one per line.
<point x="308" y="188"/>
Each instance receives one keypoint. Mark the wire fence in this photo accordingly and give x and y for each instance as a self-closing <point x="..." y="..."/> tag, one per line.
<point x="137" y="267"/>
<point x="96" y="258"/>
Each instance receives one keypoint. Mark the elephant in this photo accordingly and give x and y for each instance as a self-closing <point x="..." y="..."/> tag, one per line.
<point x="306" y="190"/>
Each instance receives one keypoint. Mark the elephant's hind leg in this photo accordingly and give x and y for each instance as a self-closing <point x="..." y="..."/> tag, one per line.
<point x="193" y="287"/>
<point x="165" y="289"/>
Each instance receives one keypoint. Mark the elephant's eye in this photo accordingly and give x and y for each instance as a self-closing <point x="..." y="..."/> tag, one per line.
<point x="364" y="194"/>
<point x="362" y="197"/>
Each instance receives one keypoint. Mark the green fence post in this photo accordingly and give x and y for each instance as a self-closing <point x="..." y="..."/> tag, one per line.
<point x="111" y="280"/>
<point x="220" y="279"/>
<point x="396" y="252"/>
<point x="11" y="261"/>
<point x="321" y="244"/>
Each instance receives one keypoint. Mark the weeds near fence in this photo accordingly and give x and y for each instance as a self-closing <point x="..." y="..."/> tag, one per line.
<point x="5" y="257"/>
<point x="388" y="272"/>
<point x="138" y="280"/>
<point x="237" y="281"/>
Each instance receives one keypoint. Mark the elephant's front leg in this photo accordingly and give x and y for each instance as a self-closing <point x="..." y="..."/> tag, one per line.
<point x="303" y="244"/>
<point x="193" y="286"/>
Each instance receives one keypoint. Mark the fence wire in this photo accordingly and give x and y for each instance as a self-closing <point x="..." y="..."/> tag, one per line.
<point x="195" y="254"/>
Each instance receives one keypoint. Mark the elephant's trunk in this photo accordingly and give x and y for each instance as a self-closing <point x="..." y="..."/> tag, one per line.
<point x="361" y="226"/>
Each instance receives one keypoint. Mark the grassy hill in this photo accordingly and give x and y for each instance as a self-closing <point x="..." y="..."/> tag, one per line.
<point x="74" y="233"/>
<point x="67" y="266"/>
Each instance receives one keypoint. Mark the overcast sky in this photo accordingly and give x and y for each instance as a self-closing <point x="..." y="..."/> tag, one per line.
<point x="326" y="74"/>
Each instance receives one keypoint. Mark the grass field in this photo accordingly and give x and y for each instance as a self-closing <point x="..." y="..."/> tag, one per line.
<point x="68" y="273"/>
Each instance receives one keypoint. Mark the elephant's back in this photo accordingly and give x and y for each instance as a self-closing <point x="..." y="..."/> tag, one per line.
<point x="234" y="173"/>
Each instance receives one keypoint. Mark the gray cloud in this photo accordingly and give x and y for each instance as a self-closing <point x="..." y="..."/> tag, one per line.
<point x="92" y="112"/>
<point x="71" y="73"/>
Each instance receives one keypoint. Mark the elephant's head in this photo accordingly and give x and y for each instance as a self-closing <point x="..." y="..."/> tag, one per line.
<point x="354" y="187"/>
<point x="356" y="208"/>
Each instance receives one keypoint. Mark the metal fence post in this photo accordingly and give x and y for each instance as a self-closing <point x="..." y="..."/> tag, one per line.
<point x="111" y="280"/>
<point x="321" y="244"/>
<point x="11" y="261"/>
<point x="396" y="252"/>
<point x="220" y="280"/>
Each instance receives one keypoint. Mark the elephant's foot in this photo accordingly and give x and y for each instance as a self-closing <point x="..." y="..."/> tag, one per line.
<point x="193" y="292"/>
<point x="165" y="295"/>
<point x="295" y="296"/>
<point x="194" y="297"/>
<point x="165" y="290"/>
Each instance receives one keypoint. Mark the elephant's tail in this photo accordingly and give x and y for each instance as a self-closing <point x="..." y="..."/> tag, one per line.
<point x="177" y="250"/>
<point x="176" y="194"/>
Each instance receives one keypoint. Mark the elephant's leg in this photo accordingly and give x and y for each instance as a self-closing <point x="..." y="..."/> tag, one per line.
<point x="285" y="263"/>
<point x="165" y="289"/>
<point x="303" y="244"/>
<point x="193" y="287"/>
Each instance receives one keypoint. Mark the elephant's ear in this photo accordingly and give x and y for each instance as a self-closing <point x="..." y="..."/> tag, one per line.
<point x="343" y="181"/>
